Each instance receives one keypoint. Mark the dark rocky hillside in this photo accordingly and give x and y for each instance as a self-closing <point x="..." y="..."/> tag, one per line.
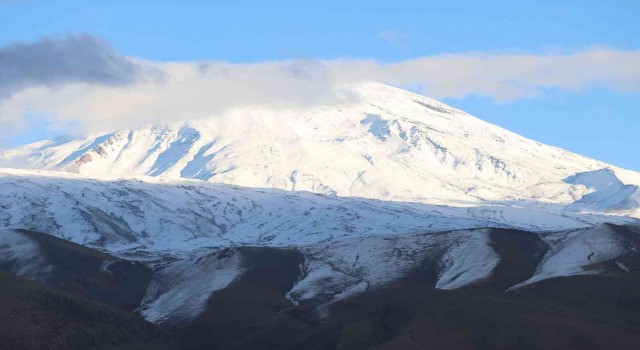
<point x="35" y="316"/>
<point x="90" y="299"/>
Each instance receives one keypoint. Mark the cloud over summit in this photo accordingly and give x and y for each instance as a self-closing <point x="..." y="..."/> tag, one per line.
<point x="84" y="80"/>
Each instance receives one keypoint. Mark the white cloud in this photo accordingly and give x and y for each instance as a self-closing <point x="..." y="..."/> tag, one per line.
<point x="163" y="92"/>
<point x="394" y="38"/>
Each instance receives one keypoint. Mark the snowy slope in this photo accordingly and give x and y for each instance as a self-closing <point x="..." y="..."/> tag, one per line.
<point x="607" y="192"/>
<point x="387" y="144"/>
<point x="350" y="245"/>
<point x="157" y="215"/>
<point x="179" y="291"/>
<point x="337" y="270"/>
<point x="583" y="251"/>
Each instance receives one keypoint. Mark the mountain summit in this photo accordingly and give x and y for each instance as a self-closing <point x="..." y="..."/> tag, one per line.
<point x="385" y="143"/>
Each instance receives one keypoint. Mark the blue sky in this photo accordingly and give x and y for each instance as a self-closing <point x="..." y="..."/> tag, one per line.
<point x="596" y="121"/>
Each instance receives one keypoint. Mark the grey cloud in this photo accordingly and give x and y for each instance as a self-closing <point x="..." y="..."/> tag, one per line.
<point x="74" y="59"/>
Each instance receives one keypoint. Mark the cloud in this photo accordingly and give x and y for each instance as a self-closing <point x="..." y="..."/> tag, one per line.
<point x="51" y="62"/>
<point x="86" y="82"/>
<point x="503" y="77"/>
<point x="393" y="37"/>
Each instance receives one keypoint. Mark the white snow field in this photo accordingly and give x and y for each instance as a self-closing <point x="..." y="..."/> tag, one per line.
<point x="172" y="216"/>
<point x="579" y="252"/>
<point x="179" y="291"/>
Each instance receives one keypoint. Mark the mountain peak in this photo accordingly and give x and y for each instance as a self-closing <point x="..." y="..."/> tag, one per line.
<point x="385" y="143"/>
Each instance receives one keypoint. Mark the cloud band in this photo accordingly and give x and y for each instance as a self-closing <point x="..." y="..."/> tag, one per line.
<point x="82" y="79"/>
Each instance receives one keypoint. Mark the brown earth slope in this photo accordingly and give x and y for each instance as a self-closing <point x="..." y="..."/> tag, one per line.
<point x="35" y="316"/>
<point x="88" y="273"/>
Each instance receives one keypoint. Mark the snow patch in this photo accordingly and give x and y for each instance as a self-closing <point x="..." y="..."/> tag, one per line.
<point x="378" y="127"/>
<point x="606" y="191"/>
<point x="579" y="252"/>
<point x="180" y="290"/>
<point x="341" y="269"/>
<point x="468" y="259"/>
<point x="622" y="267"/>
<point x="23" y="256"/>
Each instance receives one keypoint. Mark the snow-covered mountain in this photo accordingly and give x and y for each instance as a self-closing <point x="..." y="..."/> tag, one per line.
<point x="364" y="193"/>
<point x="385" y="143"/>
